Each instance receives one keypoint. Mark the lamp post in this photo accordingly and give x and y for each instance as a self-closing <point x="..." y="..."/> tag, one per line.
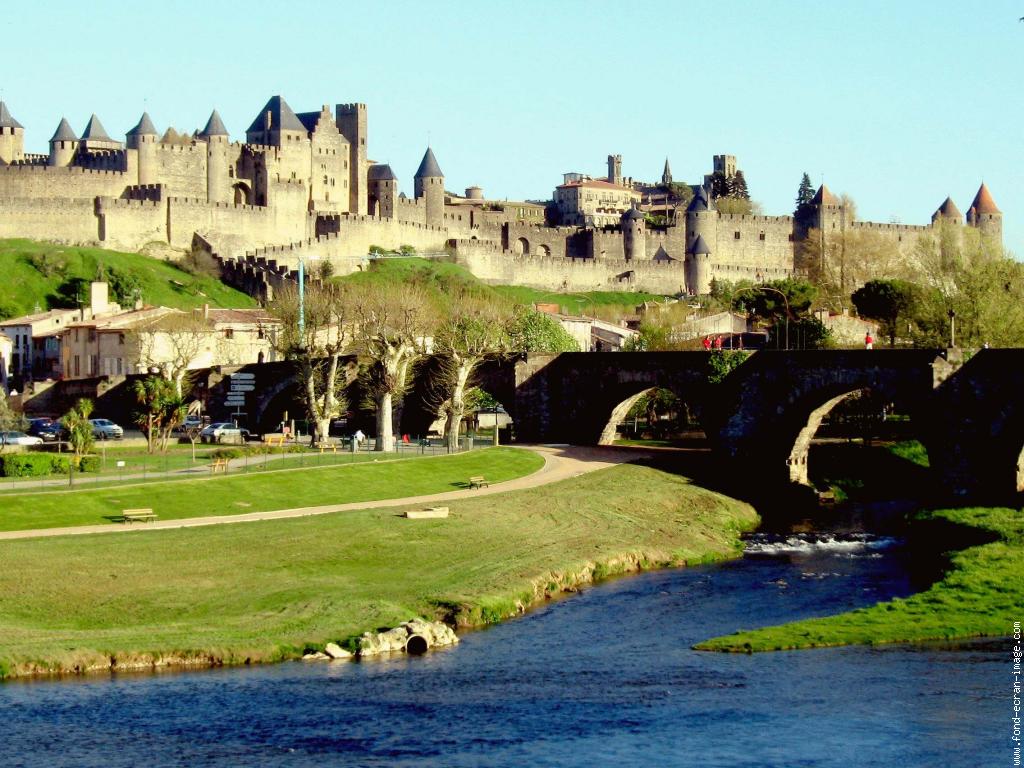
<point x="952" y="328"/>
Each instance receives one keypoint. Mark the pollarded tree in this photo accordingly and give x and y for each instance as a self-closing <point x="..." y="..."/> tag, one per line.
<point x="393" y="326"/>
<point x="887" y="301"/>
<point x="172" y="344"/>
<point x="471" y="331"/>
<point x="314" y="337"/>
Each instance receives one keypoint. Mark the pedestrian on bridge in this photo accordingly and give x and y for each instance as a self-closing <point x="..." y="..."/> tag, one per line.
<point x="869" y="343"/>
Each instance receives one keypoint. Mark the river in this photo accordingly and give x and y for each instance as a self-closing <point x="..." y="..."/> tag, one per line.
<point x="605" y="677"/>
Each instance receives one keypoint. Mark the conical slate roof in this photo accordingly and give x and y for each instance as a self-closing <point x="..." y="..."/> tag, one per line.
<point x="95" y="130"/>
<point x="6" y="120"/>
<point x="428" y="166"/>
<point x="699" y="246"/>
<point x="64" y="132"/>
<point x="824" y="197"/>
<point x="214" y="126"/>
<point x="699" y="202"/>
<point x="632" y="214"/>
<point x="144" y="128"/>
<point x="282" y="118"/>
<point x="948" y="210"/>
<point x="381" y="172"/>
<point x="983" y="202"/>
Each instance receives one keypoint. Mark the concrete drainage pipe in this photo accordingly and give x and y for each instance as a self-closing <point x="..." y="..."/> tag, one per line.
<point x="416" y="644"/>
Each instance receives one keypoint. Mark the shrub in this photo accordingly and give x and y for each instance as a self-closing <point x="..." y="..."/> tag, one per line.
<point x="32" y="464"/>
<point x="89" y="464"/>
<point x="228" y="453"/>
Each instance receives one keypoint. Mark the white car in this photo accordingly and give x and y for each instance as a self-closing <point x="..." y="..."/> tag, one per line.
<point x="224" y="432"/>
<point x="105" y="429"/>
<point x="19" y="438"/>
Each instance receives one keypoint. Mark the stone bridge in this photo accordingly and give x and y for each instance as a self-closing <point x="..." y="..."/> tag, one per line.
<point x="759" y="419"/>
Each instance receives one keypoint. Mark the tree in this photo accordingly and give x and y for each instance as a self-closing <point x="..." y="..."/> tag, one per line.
<point x="533" y="331"/>
<point x="9" y="419"/>
<point x="471" y="331"/>
<point x="79" y="429"/>
<point x="737" y="187"/>
<point x="163" y="410"/>
<point x="779" y="298"/>
<point x="805" y="332"/>
<point x="681" y="193"/>
<point x="393" y="325"/>
<point x="172" y="344"/>
<point x="719" y="185"/>
<point x="804" y="193"/>
<point x="315" y="346"/>
<point x="886" y="301"/>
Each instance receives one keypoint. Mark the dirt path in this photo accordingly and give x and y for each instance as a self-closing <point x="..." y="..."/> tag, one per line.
<point x="560" y="463"/>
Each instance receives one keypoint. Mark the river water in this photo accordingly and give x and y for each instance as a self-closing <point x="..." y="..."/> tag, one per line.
<point x="605" y="677"/>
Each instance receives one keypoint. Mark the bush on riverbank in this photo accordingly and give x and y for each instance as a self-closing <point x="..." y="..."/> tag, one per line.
<point x="979" y="596"/>
<point x="267" y="591"/>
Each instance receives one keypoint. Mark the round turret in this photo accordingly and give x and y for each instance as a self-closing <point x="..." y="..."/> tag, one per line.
<point x="429" y="185"/>
<point x="12" y="137"/>
<point x="218" y="183"/>
<point x="63" y="145"/>
<point x="382" y="185"/>
<point x="143" y="139"/>
<point x="701" y="229"/>
<point x="985" y="215"/>
<point x="474" y="193"/>
<point x="634" y="235"/>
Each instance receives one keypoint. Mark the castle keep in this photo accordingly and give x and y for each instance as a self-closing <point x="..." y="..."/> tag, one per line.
<point x="301" y="186"/>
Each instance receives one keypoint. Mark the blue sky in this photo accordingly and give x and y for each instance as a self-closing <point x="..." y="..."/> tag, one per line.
<point x="895" y="103"/>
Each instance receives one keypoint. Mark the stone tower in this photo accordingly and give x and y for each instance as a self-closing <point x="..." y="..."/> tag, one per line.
<point x="725" y="165"/>
<point x="615" y="170"/>
<point x="829" y="214"/>
<point x="634" y="235"/>
<point x="666" y="175"/>
<point x="12" y="137"/>
<point x="429" y="185"/>
<point x="701" y="229"/>
<point x="985" y="215"/>
<point x="63" y="145"/>
<point x="351" y="121"/>
<point x="383" y="189"/>
<point x="948" y="212"/>
<point x="95" y="138"/>
<point x="216" y="137"/>
<point x="143" y="138"/>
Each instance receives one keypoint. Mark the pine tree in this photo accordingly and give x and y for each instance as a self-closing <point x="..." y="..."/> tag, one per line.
<point x="805" y="193"/>
<point x="738" y="187"/>
<point x="719" y="185"/>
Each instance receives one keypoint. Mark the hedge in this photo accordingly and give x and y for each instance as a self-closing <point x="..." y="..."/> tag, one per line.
<point x="42" y="464"/>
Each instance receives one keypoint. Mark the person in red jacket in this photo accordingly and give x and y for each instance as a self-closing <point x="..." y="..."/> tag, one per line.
<point x="869" y="343"/>
<point x="707" y="343"/>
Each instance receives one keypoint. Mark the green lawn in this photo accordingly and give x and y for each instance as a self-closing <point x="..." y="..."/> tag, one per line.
<point x="979" y="596"/>
<point x="238" y="493"/>
<point x="265" y="591"/>
<point x="35" y="272"/>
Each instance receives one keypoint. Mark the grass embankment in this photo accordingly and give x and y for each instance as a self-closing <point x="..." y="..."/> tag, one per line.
<point x="43" y="274"/>
<point x="236" y="494"/>
<point x="437" y="276"/>
<point x="979" y="596"/>
<point x="872" y="472"/>
<point x="266" y="591"/>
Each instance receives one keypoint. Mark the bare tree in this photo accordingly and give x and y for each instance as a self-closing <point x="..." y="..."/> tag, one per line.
<point x="393" y="327"/>
<point x="172" y="344"/>
<point x="314" y="338"/>
<point x="471" y="331"/>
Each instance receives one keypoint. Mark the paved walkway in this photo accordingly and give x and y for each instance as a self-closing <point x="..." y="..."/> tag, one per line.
<point x="560" y="463"/>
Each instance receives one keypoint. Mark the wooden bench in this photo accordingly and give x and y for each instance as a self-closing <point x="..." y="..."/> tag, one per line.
<point x="479" y="482"/>
<point x="218" y="465"/>
<point x="273" y="440"/>
<point x="129" y="516"/>
<point x="332" y="447"/>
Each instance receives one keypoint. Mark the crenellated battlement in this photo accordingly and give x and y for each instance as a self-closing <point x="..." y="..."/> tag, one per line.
<point x="748" y="218"/>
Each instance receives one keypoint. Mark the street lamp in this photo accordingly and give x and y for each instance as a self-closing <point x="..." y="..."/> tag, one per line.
<point x="952" y="328"/>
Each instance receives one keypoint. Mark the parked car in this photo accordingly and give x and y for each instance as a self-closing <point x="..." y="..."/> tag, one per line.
<point x="105" y="429"/>
<point x="45" y="428"/>
<point x="19" y="438"/>
<point x="190" y="422"/>
<point x="224" y="432"/>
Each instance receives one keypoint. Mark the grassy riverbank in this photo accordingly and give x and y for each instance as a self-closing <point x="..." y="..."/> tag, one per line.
<point x="238" y="493"/>
<point x="979" y="596"/>
<point x="264" y="591"/>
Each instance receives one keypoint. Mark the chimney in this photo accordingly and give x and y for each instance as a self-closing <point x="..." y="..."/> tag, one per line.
<point x="98" y="298"/>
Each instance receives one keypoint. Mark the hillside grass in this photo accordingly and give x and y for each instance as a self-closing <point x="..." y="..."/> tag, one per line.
<point x="980" y="595"/>
<point x="439" y="277"/>
<point x="267" y="591"/>
<point x="268" y="490"/>
<point x="34" y="271"/>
